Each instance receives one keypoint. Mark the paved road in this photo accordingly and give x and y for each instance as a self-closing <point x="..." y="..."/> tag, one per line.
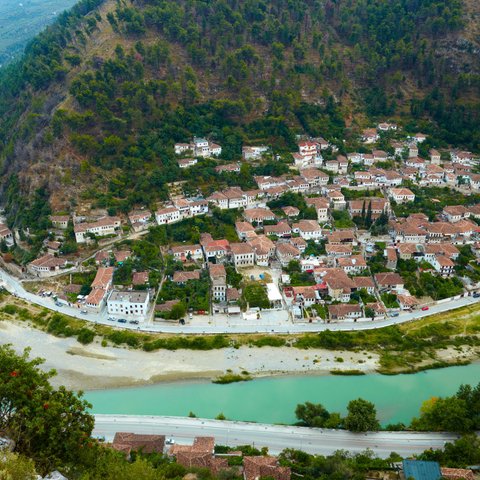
<point x="275" y="437"/>
<point x="15" y="287"/>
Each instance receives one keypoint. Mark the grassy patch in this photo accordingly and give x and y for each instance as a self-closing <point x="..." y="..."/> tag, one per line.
<point x="346" y="372"/>
<point x="232" y="378"/>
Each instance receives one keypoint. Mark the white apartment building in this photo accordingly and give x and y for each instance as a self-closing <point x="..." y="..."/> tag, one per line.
<point x="129" y="304"/>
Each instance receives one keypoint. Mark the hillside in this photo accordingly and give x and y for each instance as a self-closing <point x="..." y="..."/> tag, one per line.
<point x="91" y="112"/>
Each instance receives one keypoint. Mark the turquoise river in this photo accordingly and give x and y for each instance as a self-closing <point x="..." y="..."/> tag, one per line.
<point x="273" y="400"/>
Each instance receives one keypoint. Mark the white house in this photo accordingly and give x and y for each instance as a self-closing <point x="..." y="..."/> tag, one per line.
<point x="185" y="252"/>
<point x="286" y="252"/>
<point x="102" y="227"/>
<point x="201" y="147"/>
<point x="181" y="148"/>
<point x="218" y="277"/>
<point x="385" y="127"/>
<point x="187" y="162"/>
<point x="308" y="229"/>
<point x="167" y="215"/>
<point x="133" y="304"/>
<point x="455" y="213"/>
<point x="370" y="135"/>
<point x="46" y="265"/>
<point x="60" y="221"/>
<point x="443" y="265"/>
<point x="402" y="195"/>
<point x="253" y="152"/>
<point x="243" y="255"/>
<point x="344" y="312"/>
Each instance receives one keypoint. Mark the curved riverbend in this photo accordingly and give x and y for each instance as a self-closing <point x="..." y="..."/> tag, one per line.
<point x="273" y="400"/>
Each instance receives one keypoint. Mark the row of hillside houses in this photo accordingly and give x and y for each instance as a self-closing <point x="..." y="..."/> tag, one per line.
<point x="84" y="230"/>
<point x="200" y="147"/>
<point x="372" y="135"/>
<point x="455" y="213"/>
<point x="334" y="283"/>
<point x="259" y="250"/>
<point x="180" y="209"/>
<point x="441" y="256"/>
<point x="418" y="229"/>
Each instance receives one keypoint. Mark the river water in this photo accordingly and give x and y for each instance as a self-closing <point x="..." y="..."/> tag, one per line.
<point x="273" y="400"/>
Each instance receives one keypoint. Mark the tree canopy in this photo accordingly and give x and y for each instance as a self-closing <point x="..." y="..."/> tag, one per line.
<point x="48" y="425"/>
<point x="361" y="417"/>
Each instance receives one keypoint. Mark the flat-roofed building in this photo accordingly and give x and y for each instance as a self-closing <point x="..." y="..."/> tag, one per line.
<point x="133" y="304"/>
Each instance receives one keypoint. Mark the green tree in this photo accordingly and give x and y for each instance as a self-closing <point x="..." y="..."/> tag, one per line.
<point x="443" y="414"/>
<point x="293" y="267"/>
<point x="459" y="454"/>
<point x="46" y="425"/>
<point x="178" y="311"/>
<point x="312" y="414"/>
<point x="361" y="417"/>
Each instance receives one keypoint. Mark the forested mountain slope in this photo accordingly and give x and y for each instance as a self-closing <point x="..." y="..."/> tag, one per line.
<point x="93" y="109"/>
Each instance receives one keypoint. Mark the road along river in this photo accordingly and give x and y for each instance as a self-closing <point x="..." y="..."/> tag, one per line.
<point x="273" y="400"/>
<point x="275" y="437"/>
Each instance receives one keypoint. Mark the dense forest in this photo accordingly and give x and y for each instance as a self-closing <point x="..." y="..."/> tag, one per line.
<point x="91" y="112"/>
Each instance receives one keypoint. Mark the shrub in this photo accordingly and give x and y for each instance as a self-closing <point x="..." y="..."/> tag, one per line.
<point x="85" y="336"/>
<point x="128" y="338"/>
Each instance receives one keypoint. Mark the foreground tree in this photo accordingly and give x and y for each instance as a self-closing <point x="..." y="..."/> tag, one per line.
<point x="47" y="425"/>
<point x="362" y="416"/>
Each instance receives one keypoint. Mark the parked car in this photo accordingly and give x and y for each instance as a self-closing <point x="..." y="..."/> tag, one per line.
<point x="112" y="319"/>
<point x="476" y="295"/>
<point x="134" y="322"/>
<point x="425" y="308"/>
<point x="394" y="314"/>
<point x="83" y="311"/>
<point x="170" y="441"/>
<point x="121" y="320"/>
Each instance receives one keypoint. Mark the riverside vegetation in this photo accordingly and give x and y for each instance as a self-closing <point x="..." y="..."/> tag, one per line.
<point x="52" y="430"/>
<point x="405" y="348"/>
<point x="457" y="413"/>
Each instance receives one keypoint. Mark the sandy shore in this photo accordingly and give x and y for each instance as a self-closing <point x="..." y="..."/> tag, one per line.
<point x="96" y="367"/>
